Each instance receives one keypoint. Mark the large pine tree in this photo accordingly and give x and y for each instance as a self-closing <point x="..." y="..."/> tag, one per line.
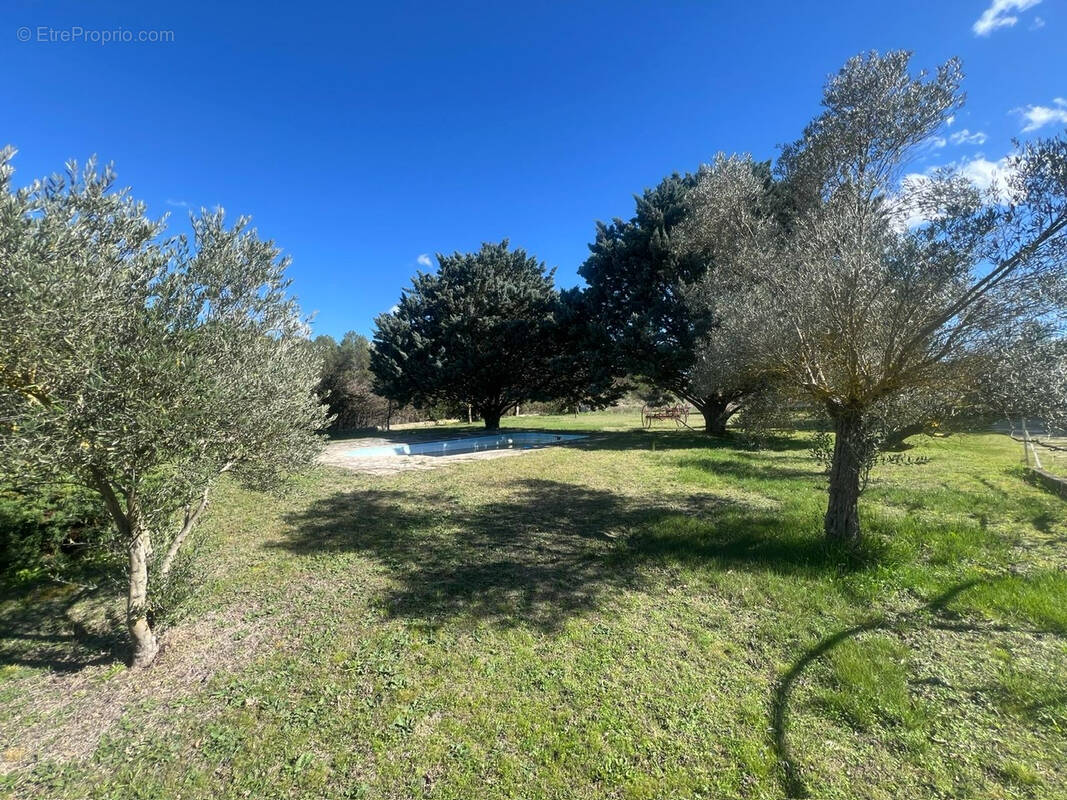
<point x="636" y="283"/>
<point x="481" y="330"/>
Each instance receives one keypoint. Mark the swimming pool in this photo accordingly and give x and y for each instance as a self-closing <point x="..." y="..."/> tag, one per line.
<point x="519" y="440"/>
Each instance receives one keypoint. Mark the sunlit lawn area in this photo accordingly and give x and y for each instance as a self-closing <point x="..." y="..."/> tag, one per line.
<point x="1054" y="460"/>
<point x="641" y="615"/>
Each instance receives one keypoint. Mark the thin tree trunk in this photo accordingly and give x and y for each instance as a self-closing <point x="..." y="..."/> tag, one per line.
<point x="191" y="516"/>
<point x="143" y="639"/>
<point x="842" y="522"/>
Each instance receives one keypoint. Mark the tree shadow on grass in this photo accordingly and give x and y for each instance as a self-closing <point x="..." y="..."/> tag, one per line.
<point x="681" y="439"/>
<point x="544" y="552"/>
<point x="934" y="615"/>
<point x="748" y="468"/>
<point x="43" y="632"/>
<point x="740" y="537"/>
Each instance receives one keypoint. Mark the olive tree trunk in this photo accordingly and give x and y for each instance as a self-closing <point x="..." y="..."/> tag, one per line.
<point x="142" y="638"/>
<point x="842" y="524"/>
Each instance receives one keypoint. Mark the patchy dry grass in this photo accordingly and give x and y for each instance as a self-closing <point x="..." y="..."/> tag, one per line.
<point x="642" y="614"/>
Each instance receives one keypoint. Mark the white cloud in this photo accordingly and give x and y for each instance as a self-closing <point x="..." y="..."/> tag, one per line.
<point x="424" y="260"/>
<point x="1040" y="116"/>
<point x="1037" y="24"/>
<point x="983" y="173"/>
<point x="979" y="170"/>
<point x="393" y="309"/>
<point x="905" y="212"/>
<point x="1001" y="14"/>
<point x="177" y="203"/>
<point x="966" y="137"/>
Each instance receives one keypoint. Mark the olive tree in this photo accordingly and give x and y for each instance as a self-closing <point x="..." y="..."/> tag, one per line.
<point x="940" y="409"/>
<point x="1029" y="386"/>
<point x="145" y="367"/>
<point x="731" y="228"/>
<point x="869" y="309"/>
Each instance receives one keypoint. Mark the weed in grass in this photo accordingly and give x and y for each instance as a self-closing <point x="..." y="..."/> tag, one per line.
<point x="1020" y="774"/>
<point x="868" y="684"/>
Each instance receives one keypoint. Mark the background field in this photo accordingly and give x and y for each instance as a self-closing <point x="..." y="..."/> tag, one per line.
<point x="642" y="615"/>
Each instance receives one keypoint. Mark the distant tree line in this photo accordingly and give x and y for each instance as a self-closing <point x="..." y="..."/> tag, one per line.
<point x="345" y="385"/>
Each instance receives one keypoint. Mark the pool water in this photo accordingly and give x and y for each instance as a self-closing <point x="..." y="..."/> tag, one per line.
<point x="470" y="444"/>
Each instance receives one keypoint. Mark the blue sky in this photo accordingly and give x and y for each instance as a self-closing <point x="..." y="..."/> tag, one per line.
<point x="362" y="137"/>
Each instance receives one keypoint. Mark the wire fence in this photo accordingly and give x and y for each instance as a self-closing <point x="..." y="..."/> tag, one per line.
<point x="1044" y="447"/>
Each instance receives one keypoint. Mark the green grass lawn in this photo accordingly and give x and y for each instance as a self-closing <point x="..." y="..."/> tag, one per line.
<point x="641" y="615"/>
<point x="1054" y="461"/>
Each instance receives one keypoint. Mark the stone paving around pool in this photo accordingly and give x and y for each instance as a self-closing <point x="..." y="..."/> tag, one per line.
<point x="338" y="454"/>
